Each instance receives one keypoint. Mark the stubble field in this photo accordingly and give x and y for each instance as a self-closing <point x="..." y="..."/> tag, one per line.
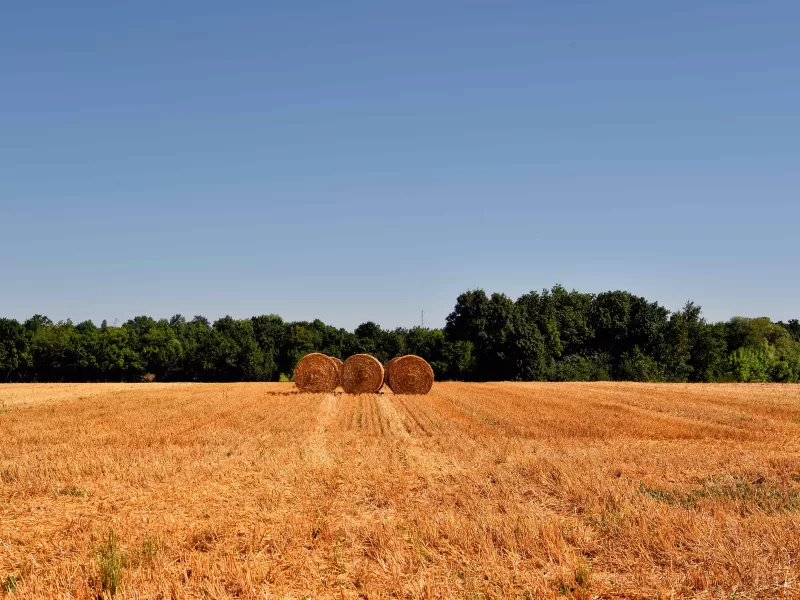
<point x="602" y="490"/>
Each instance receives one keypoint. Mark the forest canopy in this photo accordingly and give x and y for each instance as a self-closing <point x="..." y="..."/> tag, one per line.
<point x="552" y="335"/>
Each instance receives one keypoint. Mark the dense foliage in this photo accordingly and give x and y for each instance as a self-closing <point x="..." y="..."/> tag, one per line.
<point x="553" y="335"/>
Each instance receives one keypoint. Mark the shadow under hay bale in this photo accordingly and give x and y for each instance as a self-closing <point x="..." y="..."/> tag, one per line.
<point x="316" y="374"/>
<point x="410" y="375"/>
<point x="362" y="374"/>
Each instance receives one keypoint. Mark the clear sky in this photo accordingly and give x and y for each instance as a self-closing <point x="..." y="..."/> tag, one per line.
<point x="367" y="160"/>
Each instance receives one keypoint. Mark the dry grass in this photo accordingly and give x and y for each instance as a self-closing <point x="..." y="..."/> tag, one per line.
<point x="476" y="490"/>
<point x="339" y="364"/>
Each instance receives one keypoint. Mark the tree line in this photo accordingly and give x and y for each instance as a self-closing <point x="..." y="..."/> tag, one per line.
<point x="552" y="335"/>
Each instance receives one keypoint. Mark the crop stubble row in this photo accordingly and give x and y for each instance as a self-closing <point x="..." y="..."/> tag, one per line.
<point x="475" y="488"/>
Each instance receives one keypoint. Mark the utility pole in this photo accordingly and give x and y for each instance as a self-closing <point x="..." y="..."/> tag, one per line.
<point x="422" y="319"/>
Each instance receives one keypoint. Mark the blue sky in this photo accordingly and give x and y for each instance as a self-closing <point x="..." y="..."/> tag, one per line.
<point x="359" y="161"/>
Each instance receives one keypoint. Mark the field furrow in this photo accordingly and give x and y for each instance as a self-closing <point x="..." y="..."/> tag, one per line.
<point x="475" y="490"/>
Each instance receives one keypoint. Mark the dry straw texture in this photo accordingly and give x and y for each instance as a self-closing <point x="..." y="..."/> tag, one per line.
<point x="316" y="374"/>
<point x="339" y="364"/>
<point x="556" y="491"/>
<point x="387" y="368"/>
<point x="362" y="374"/>
<point x="411" y="375"/>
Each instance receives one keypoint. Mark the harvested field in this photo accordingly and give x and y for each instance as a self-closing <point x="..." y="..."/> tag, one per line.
<point x="596" y="490"/>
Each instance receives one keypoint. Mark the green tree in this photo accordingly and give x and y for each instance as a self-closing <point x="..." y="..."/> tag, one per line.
<point x="629" y="328"/>
<point x="238" y="356"/>
<point x="710" y="353"/>
<point x="198" y="343"/>
<point x="459" y="359"/>
<point x="750" y="364"/>
<point x="793" y="327"/>
<point x="488" y="324"/>
<point x="549" y="335"/>
<point x="14" y="356"/>
<point x="301" y="339"/>
<point x="575" y="367"/>
<point x="762" y="351"/>
<point x="82" y="353"/>
<point x="533" y="353"/>
<point x="270" y="333"/>
<point x="635" y="365"/>
<point x="118" y="360"/>
<point x="49" y="345"/>
<point x="682" y="338"/>
<point x="157" y="345"/>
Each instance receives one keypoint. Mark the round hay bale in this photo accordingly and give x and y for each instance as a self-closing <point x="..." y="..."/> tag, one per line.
<point x="411" y="375"/>
<point x="316" y="374"/>
<point x="387" y="372"/>
<point x="338" y="362"/>
<point x="362" y="374"/>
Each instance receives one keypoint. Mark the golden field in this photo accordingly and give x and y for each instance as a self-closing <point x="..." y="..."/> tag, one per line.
<point x="530" y="490"/>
